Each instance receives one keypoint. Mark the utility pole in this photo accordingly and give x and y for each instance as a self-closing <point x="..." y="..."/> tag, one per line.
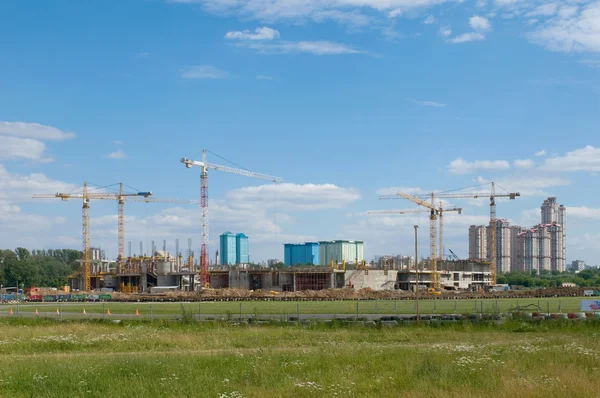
<point x="417" y="270"/>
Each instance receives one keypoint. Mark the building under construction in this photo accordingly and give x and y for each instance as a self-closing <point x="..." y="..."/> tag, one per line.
<point x="163" y="273"/>
<point x="453" y="275"/>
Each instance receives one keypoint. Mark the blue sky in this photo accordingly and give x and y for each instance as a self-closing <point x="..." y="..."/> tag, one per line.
<point x="343" y="99"/>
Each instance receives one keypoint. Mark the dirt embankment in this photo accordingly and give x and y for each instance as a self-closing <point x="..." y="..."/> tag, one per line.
<point x="341" y="294"/>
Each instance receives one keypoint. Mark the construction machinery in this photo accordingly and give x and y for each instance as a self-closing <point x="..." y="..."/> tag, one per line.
<point x="205" y="166"/>
<point x="477" y="195"/>
<point x="433" y="236"/>
<point x="120" y="197"/>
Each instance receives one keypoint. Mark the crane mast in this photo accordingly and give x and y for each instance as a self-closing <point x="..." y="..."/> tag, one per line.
<point x="86" y="196"/>
<point x="204" y="204"/>
<point x="433" y="237"/>
<point x="205" y="166"/>
<point x="87" y="280"/>
<point x="492" y="255"/>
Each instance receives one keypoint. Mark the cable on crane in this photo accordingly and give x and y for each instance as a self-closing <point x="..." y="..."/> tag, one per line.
<point x="222" y="158"/>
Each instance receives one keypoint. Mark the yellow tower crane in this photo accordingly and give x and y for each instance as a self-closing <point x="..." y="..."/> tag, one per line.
<point x="440" y="213"/>
<point x="120" y="197"/>
<point x="433" y="236"/>
<point x="477" y="195"/>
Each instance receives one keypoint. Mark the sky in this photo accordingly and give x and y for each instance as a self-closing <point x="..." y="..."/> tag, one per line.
<point x="345" y="100"/>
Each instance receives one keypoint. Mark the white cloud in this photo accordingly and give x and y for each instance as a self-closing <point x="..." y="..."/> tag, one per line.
<point x="544" y="10"/>
<point x="204" y="72"/>
<point x="591" y="62"/>
<point x="584" y="159"/>
<point x="467" y="37"/>
<point x="263" y="77"/>
<point x="540" y="153"/>
<point x="34" y="130"/>
<point x="524" y="164"/>
<point x="309" y="47"/>
<point x="14" y="148"/>
<point x="294" y="196"/>
<point x="429" y="103"/>
<point x="503" y="3"/>
<point x="264" y="33"/>
<point x="445" y="31"/>
<point x="395" y="13"/>
<point x="265" y="213"/>
<point x="571" y="30"/>
<point x="16" y="188"/>
<point x="118" y="154"/>
<point x="429" y="20"/>
<point x="25" y="140"/>
<point x="583" y="213"/>
<point x="528" y="185"/>
<point x="395" y="190"/>
<point x="318" y="10"/>
<point x="478" y="22"/>
<point x="461" y="166"/>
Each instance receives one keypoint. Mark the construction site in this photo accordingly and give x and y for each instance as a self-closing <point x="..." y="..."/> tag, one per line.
<point x="327" y="264"/>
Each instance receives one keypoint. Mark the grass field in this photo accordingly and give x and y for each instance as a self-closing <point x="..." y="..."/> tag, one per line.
<point x="44" y="358"/>
<point x="287" y="308"/>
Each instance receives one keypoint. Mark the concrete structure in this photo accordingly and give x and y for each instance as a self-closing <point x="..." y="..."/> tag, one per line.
<point x="228" y="249"/>
<point x="503" y="248"/>
<point x="478" y="249"/>
<point x="394" y="262"/>
<point x="540" y="249"/>
<point x="96" y="253"/>
<point x="577" y="266"/>
<point x="467" y="275"/>
<point x="371" y="279"/>
<point x="242" y="249"/>
<point x="543" y="247"/>
<point x="551" y="213"/>
<point x="304" y="253"/>
<point x="288" y="280"/>
<point x="341" y="250"/>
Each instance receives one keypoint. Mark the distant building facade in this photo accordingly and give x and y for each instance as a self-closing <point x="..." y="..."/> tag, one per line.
<point x="478" y="243"/>
<point x="339" y="251"/>
<point x="242" y="249"/>
<point x="577" y="266"/>
<point x="542" y="247"/>
<point x="303" y="253"/>
<point x="228" y="249"/>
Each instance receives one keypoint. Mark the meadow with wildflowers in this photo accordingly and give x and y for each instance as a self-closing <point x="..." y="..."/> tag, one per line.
<point x="46" y="358"/>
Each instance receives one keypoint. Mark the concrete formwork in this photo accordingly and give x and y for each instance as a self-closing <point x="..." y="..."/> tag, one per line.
<point x="372" y="279"/>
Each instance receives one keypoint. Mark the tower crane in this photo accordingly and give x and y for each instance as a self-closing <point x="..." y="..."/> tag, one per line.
<point x="120" y="197"/>
<point x="441" y="211"/>
<point x="434" y="212"/>
<point x="205" y="166"/>
<point x="477" y="195"/>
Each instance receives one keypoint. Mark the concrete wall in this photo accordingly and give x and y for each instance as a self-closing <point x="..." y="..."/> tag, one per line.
<point x="375" y="279"/>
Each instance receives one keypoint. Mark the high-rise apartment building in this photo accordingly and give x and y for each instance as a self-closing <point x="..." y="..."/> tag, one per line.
<point x="228" y="249"/>
<point x="478" y="249"/>
<point x="544" y="246"/>
<point x="503" y="247"/>
<point x="242" y="249"/>
<point x="234" y="249"/>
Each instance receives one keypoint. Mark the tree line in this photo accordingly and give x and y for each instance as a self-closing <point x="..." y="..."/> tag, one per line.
<point x="40" y="268"/>
<point x="586" y="278"/>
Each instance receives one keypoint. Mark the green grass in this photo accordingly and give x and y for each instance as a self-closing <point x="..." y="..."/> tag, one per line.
<point x="286" y="308"/>
<point x="44" y="358"/>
